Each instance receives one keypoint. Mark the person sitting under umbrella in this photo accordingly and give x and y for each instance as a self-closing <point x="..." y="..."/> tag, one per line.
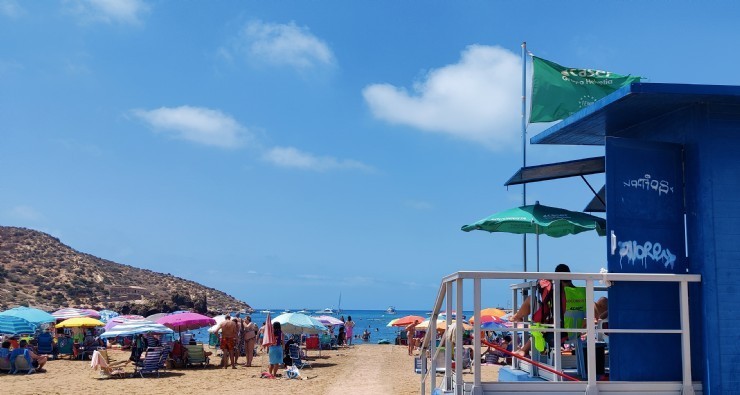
<point x="36" y="362"/>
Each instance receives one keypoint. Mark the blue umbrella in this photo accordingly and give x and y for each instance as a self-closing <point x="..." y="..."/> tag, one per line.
<point x="11" y="325"/>
<point x="106" y="315"/>
<point x="34" y="316"/>
<point x="297" y="323"/>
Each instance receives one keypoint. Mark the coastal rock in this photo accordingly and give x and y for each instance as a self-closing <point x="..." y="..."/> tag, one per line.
<point x="36" y="269"/>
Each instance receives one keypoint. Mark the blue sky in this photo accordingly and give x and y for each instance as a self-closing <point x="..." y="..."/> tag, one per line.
<point x="287" y="151"/>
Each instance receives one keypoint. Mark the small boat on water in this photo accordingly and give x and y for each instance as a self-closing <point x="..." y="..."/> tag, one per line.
<point x="325" y="311"/>
<point x="304" y="311"/>
<point x="390" y="310"/>
<point x="266" y="311"/>
<point x="287" y="311"/>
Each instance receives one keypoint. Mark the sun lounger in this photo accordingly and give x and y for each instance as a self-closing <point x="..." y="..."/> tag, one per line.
<point x="196" y="355"/>
<point x="154" y="361"/>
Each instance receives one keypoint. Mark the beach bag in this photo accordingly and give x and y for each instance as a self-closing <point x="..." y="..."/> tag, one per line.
<point x="292" y="372"/>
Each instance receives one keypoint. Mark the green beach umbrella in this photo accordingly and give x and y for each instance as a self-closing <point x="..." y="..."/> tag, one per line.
<point x="539" y="219"/>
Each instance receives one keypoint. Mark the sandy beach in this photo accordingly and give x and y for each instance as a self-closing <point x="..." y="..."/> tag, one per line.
<point x="379" y="369"/>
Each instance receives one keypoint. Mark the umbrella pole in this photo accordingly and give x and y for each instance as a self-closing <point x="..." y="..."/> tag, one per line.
<point x="538" y="249"/>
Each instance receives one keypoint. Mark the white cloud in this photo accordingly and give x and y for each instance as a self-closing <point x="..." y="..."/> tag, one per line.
<point x="10" y="8"/>
<point x="197" y="124"/>
<point x="122" y="11"/>
<point x="283" y="44"/>
<point x="294" y="158"/>
<point x="25" y="213"/>
<point x="477" y="99"/>
<point x="419" y="205"/>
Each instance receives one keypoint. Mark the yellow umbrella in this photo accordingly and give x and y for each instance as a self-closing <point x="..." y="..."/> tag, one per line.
<point x="393" y="321"/>
<point x="79" y="322"/>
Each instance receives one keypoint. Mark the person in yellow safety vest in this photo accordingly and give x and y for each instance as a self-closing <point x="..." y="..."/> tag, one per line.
<point x="575" y="309"/>
<point x="544" y="314"/>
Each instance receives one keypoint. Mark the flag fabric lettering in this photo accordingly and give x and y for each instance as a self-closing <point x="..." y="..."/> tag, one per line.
<point x="558" y="92"/>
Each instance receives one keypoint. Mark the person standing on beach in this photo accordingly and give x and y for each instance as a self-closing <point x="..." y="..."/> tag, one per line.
<point x="276" y="350"/>
<point x="410" y="332"/>
<point x="228" y="342"/>
<point x="250" y="335"/>
<point x="349" y="325"/>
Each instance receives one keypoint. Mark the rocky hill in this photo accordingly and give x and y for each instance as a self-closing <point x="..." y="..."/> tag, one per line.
<point x="36" y="269"/>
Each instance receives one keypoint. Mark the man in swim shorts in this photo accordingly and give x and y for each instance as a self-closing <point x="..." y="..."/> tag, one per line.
<point x="228" y="342"/>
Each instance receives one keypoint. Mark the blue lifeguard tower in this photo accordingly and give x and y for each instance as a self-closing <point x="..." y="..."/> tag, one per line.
<point x="672" y="161"/>
<point x="672" y="166"/>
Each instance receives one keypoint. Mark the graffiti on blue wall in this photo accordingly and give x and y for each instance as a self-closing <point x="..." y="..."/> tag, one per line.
<point x="648" y="183"/>
<point x="641" y="253"/>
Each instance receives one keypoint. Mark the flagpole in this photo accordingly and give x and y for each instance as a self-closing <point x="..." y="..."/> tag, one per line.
<point x="524" y="140"/>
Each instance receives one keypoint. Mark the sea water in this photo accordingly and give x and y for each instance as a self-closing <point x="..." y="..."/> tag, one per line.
<point x="375" y="321"/>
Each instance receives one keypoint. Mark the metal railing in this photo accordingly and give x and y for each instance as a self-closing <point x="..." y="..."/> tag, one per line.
<point x="456" y="384"/>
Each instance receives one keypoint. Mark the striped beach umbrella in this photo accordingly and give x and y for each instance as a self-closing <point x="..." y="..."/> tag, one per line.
<point x="134" y="327"/>
<point x="70" y="312"/>
<point x="115" y="321"/>
<point x="10" y="325"/>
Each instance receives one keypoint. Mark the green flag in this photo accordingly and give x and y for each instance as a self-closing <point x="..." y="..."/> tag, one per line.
<point x="558" y="92"/>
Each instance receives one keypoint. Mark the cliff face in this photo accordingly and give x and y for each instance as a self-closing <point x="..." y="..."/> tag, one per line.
<point x="36" y="269"/>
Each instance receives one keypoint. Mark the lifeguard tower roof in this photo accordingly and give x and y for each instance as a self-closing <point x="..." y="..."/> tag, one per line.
<point x="629" y="106"/>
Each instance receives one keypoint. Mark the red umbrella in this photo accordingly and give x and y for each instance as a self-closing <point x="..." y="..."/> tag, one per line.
<point x="407" y="320"/>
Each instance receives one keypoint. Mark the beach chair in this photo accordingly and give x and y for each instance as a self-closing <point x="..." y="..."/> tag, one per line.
<point x="154" y="361"/>
<point x="196" y="355"/>
<point x="21" y="364"/>
<point x="294" y="351"/>
<point x="4" y="365"/>
<point x="467" y="362"/>
<point x="64" y="347"/>
<point x="325" y="342"/>
<point x="439" y="369"/>
<point x="403" y="339"/>
<point x="45" y="344"/>
<point x="312" y="343"/>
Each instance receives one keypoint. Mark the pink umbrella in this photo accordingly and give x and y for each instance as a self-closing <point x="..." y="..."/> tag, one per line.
<point x="186" y="321"/>
<point x="93" y="313"/>
<point x="268" y="338"/>
<point x="329" y="320"/>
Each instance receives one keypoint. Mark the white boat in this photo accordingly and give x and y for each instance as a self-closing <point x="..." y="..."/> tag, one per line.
<point x="390" y="310"/>
<point x="304" y="311"/>
<point x="266" y="311"/>
<point x="325" y="311"/>
<point x="286" y="311"/>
